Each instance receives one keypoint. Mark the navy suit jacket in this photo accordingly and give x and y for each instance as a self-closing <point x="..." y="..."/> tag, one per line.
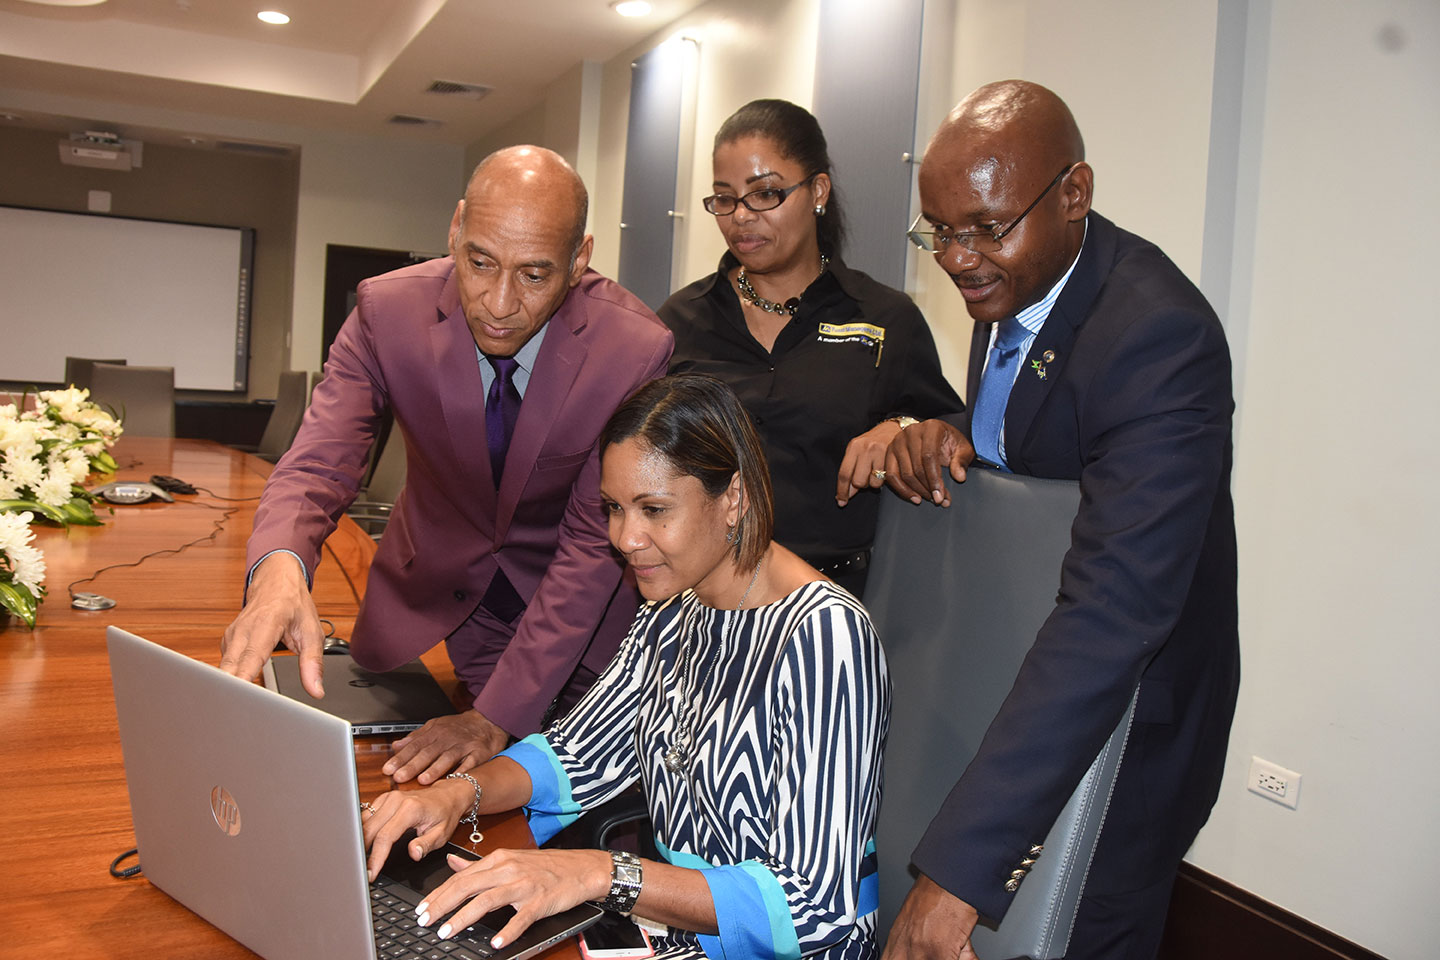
<point x="1126" y="389"/>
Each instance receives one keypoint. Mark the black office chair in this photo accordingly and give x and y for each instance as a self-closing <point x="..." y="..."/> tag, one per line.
<point x="291" y="399"/>
<point x="958" y="595"/>
<point x="387" y="478"/>
<point x="78" y="370"/>
<point x="143" y="397"/>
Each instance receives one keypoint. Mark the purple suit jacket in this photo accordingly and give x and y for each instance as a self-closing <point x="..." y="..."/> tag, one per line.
<point x="407" y="348"/>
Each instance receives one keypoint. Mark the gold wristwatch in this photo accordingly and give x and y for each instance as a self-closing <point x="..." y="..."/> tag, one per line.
<point x="904" y="421"/>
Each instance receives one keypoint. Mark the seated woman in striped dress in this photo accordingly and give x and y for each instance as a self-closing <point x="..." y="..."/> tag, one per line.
<point x="750" y="701"/>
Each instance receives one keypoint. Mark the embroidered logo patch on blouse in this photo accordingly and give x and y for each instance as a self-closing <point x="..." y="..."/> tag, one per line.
<point x="866" y="333"/>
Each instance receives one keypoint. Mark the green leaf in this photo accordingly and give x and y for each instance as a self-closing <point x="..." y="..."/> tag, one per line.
<point x="20" y="602"/>
<point x="104" y="463"/>
<point x="79" y="511"/>
<point x="34" y="506"/>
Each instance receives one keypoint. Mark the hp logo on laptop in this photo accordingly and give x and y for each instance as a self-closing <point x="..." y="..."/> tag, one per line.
<point x="225" y="810"/>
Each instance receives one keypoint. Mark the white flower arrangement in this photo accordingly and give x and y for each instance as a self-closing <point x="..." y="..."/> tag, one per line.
<point x="22" y="567"/>
<point x="46" y="454"/>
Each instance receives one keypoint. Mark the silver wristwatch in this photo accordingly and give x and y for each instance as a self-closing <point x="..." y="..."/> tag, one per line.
<point x="625" y="880"/>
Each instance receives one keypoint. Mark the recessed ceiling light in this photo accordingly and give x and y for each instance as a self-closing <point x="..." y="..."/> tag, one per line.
<point x="631" y="8"/>
<point x="273" y="16"/>
<point x="68" y="3"/>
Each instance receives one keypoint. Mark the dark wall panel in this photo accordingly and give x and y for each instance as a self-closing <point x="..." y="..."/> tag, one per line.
<point x="652" y="161"/>
<point x="867" y="70"/>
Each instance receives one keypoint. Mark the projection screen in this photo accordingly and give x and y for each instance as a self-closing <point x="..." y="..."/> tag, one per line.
<point x="152" y="292"/>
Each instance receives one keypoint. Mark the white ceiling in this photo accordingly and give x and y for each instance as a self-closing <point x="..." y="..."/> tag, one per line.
<point x="339" y="64"/>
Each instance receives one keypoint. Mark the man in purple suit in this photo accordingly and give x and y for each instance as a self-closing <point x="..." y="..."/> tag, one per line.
<point x="500" y="364"/>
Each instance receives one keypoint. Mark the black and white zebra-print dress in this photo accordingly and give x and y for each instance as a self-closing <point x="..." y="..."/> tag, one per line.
<point x="787" y="707"/>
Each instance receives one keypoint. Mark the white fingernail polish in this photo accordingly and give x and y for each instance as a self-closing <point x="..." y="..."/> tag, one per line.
<point x="444" y="932"/>
<point x="497" y="942"/>
<point x="423" y="919"/>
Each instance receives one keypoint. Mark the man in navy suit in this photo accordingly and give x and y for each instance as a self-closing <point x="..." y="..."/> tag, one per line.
<point x="1107" y="366"/>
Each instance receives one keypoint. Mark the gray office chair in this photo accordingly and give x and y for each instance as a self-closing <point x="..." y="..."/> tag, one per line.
<point x="78" y="370"/>
<point x="291" y="399"/>
<point x="958" y="596"/>
<point x="144" y="397"/>
<point x="387" y="479"/>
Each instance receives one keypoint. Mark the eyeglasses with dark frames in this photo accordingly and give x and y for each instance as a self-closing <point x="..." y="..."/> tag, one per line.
<point x="766" y="198"/>
<point x="938" y="240"/>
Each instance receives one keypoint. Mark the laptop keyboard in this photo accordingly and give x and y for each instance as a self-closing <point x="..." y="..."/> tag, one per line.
<point x="399" y="937"/>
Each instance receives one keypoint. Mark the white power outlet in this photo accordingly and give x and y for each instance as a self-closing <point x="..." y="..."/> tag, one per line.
<point x="1273" y="782"/>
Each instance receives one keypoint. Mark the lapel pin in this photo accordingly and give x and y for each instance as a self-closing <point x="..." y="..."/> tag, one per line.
<point x="1039" y="365"/>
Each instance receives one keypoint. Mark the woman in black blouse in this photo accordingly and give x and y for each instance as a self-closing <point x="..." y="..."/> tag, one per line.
<point x="830" y="364"/>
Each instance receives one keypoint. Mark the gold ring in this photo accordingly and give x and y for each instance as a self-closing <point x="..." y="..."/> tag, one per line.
<point x="365" y="805"/>
<point x="880" y="475"/>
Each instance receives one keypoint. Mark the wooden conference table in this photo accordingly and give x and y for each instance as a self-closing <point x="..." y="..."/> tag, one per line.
<point x="64" y="809"/>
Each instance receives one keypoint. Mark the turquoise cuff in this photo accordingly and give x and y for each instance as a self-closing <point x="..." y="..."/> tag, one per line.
<point x="551" y="806"/>
<point x="750" y="909"/>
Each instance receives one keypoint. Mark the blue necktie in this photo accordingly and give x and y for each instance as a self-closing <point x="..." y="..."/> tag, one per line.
<point x="502" y="408"/>
<point x="994" y="395"/>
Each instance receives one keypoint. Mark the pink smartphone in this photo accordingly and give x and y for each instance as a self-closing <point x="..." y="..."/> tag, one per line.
<point x="614" y="937"/>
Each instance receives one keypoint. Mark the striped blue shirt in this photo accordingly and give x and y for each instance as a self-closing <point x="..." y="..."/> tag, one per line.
<point x="1032" y="318"/>
<point x="787" y="707"/>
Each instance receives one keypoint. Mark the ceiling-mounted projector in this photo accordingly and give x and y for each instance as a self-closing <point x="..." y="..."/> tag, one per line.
<point x="98" y="148"/>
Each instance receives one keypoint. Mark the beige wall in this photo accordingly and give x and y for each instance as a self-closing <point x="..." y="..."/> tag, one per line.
<point x="1336" y="452"/>
<point x="190" y="186"/>
<point x="367" y="193"/>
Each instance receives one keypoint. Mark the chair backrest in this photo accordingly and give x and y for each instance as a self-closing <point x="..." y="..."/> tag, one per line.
<point x="958" y="596"/>
<point x="291" y="400"/>
<point x="78" y="370"/>
<point x="143" y="396"/>
<point x="388" y="477"/>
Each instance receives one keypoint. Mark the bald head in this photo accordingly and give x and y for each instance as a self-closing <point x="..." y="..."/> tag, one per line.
<point x="529" y="175"/>
<point x="1013" y="117"/>
<point x="1008" y="151"/>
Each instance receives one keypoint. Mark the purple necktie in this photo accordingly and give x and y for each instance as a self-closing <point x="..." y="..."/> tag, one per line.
<point x="502" y="408"/>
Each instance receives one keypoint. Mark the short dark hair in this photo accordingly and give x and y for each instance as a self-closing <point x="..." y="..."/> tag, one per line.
<point x="698" y="425"/>
<point x="797" y="133"/>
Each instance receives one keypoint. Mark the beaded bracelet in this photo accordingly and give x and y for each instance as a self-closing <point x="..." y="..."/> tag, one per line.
<point x="474" y="818"/>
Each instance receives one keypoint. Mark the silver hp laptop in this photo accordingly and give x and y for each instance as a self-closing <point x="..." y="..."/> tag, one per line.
<point x="245" y="805"/>
<point x="396" y="701"/>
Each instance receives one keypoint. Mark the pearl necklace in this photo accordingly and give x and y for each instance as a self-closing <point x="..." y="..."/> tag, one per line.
<point x="677" y="755"/>
<point x="770" y="306"/>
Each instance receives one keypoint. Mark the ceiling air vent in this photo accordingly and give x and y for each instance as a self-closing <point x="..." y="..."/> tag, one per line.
<point x="409" y="120"/>
<point x="454" y="88"/>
